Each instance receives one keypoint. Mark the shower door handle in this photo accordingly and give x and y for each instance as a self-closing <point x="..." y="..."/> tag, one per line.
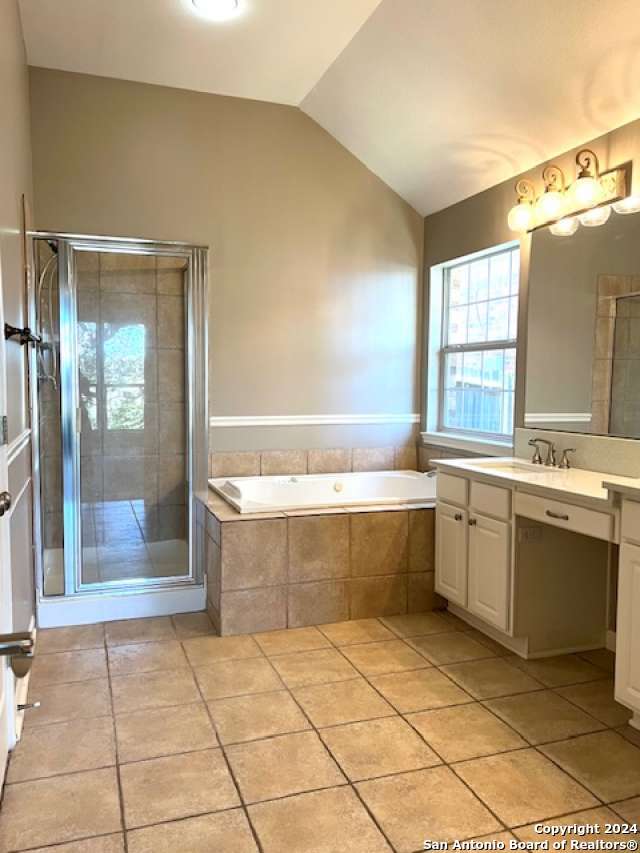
<point x="5" y="502"/>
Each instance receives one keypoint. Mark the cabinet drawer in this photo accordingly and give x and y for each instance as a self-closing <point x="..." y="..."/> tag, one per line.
<point x="452" y="489"/>
<point x="590" y="522"/>
<point x="631" y="520"/>
<point x="491" y="499"/>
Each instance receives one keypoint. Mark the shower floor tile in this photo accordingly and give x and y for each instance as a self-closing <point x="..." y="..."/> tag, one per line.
<point x="395" y="754"/>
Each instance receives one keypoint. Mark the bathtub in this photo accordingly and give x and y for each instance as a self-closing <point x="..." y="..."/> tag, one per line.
<point x="308" y="491"/>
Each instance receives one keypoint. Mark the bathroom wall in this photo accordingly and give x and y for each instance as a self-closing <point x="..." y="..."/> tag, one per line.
<point x="315" y="264"/>
<point x="481" y="221"/>
<point x="15" y="181"/>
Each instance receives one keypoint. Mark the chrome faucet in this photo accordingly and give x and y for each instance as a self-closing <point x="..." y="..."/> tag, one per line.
<point x="550" y="461"/>
<point x="564" y="459"/>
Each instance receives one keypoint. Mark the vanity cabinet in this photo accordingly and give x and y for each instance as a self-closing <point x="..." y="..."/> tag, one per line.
<point x="527" y="568"/>
<point x="473" y="550"/>
<point x="628" y="628"/>
<point x="451" y="552"/>
<point x="489" y="570"/>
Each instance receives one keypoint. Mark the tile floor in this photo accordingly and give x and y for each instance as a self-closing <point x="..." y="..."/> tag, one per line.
<point x="155" y="736"/>
<point x="120" y="542"/>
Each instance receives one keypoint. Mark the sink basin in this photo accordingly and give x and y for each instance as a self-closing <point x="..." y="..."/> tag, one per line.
<point x="515" y="466"/>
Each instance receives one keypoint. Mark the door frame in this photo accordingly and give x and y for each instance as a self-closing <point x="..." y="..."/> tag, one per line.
<point x="84" y="604"/>
<point x="7" y="690"/>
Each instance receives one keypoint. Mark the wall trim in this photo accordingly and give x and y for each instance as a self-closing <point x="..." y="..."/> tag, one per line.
<point x="531" y="418"/>
<point x="15" y="447"/>
<point x="217" y="421"/>
<point x="486" y="447"/>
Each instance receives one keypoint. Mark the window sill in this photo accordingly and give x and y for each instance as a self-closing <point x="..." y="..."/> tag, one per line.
<point x="487" y="447"/>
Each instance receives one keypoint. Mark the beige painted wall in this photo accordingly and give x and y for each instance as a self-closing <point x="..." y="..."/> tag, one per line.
<point x="15" y="179"/>
<point x="315" y="263"/>
<point x="481" y="221"/>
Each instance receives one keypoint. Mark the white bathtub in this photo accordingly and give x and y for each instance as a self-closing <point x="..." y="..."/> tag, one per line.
<point x="305" y="491"/>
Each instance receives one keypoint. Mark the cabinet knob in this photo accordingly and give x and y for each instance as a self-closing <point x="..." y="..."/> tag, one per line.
<point x="458" y="516"/>
<point x="472" y="522"/>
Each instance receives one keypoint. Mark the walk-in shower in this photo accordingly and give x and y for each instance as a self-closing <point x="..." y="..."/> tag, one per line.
<point x="120" y="390"/>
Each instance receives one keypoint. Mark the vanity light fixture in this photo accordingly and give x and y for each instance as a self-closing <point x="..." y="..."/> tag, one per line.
<point x="522" y="215"/>
<point x="596" y="216"/>
<point x="563" y="208"/>
<point x="587" y="190"/>
<point x="565" y="227"/>
<point x="216" y="10"/>
<point x="630" y="204"/>
<point x="551" y="203"/>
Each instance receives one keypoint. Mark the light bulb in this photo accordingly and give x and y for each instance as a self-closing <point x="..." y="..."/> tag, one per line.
<point x="565" y="227"/>
<point x="587" y="191"/>
<point x="520" y="217"/>
<point x="216" y="10"/>
<point x="630" y="204"/>
<point x="595" y="217"/>
<point x="550" y="205"/>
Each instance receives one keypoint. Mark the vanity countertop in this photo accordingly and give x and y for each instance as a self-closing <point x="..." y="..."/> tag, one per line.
<point x="627" y="486"/>
<point x="560" y="483"/>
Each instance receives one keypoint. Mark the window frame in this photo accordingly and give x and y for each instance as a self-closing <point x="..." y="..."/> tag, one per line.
<point x="444" y="349"/>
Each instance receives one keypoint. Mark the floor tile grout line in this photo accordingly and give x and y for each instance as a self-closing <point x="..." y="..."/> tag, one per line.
<point x="531" y="743"/>
<point x="339" y="766"/>
<point x="227" y="762"/>
<point x="56" y="845"/>
<point x="117" y="760"/>
<point x="530" y="746"/>
<point x="400" y="715"/>
<point x="444" y="763"/>
<point x="557" y="690"/>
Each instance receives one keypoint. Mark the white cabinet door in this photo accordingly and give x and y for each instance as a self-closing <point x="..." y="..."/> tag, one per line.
<point x="451" y="553"/>
<point x="628" y="628"/>
<point x="489" y="570"/>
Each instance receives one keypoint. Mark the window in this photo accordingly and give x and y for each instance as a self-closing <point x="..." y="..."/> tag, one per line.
<point x="477" y="356"/>
<point x="112" y="374"/>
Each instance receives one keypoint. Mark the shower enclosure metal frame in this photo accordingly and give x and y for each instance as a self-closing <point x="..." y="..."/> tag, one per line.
<point x="196" y="450"/>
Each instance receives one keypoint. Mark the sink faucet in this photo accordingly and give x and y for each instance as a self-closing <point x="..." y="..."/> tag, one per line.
<point x="550" y="461"/>
<point x="564" y="461"/>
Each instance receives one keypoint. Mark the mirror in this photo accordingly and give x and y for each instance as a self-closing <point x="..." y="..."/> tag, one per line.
<point x="583" y="328"/>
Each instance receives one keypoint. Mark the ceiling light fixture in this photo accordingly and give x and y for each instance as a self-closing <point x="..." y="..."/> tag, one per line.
<point x="216" y="10"/>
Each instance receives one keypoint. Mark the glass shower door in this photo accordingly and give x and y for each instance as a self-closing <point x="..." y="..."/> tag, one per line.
<point x="128" y="330"/>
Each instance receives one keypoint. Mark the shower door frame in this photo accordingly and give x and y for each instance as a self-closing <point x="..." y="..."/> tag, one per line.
<point x="79" y="599"/>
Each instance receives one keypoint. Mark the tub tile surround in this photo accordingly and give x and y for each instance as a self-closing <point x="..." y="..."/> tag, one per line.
<point x="268" y="571"/>
<point x="332" y="460"/>
<point x="397" y="750"/>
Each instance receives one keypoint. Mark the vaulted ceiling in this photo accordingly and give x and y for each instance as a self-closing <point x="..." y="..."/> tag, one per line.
<point x="440" y="98"/>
